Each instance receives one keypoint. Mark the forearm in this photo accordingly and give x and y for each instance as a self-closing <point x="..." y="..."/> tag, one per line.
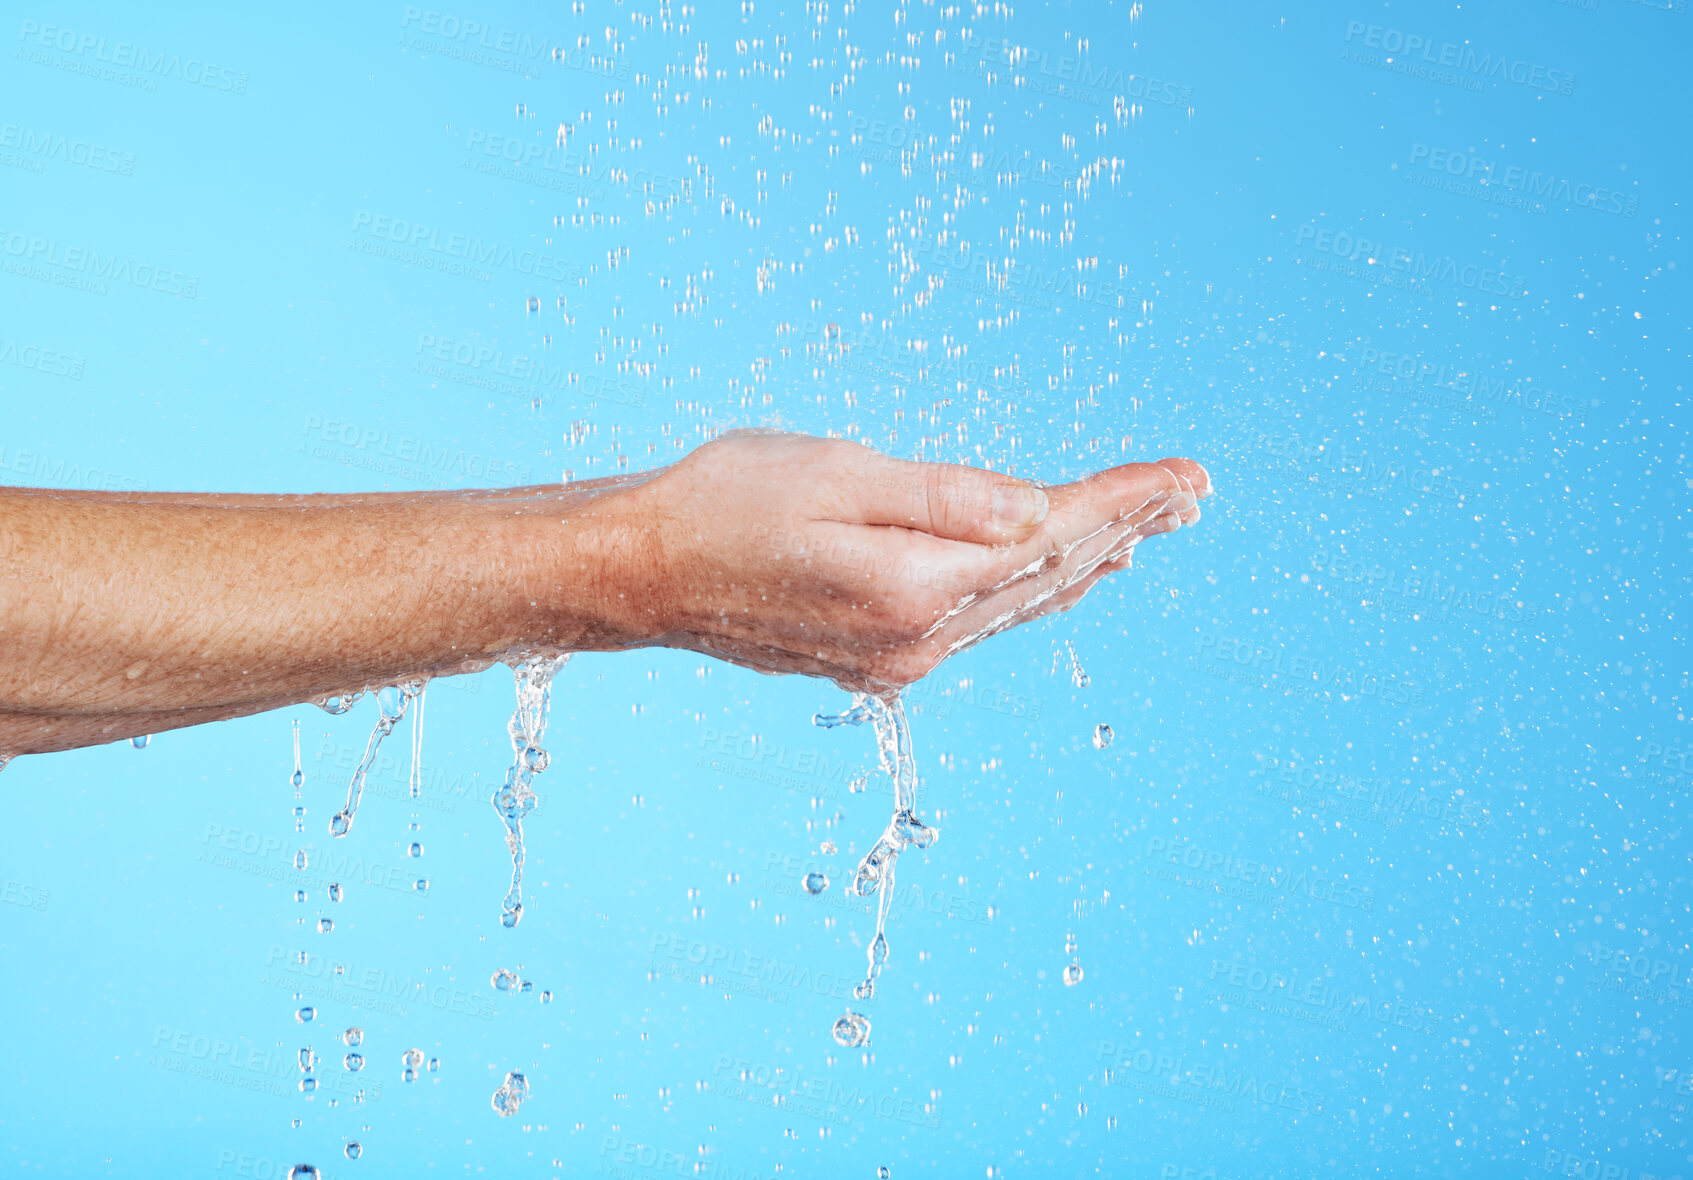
<point x="129" y="615"/>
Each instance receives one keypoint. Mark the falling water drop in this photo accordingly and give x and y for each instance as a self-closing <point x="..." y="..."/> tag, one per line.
<point x="353" y="1036"/>
<point x="354" y="1150"/>
<point x="300" y="859"/>
<point x="510" y="1096"/>
<point x="1072" y="975"/>
<point x="504" y="980"/>
<point x="334" y="891"/>
<point x="302" y="1172"/>
<point x="325" y="925"/>
<point x="1102" y="736"/>
<point x="852" y="1030"/>
<point x="354" y="1062"/>
<point x="140" y="741"/>
<point x="815" y="883"/>
<point x="305" y="1015"/>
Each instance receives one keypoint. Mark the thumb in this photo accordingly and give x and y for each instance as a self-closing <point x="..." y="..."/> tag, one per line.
<point x="950" y="500"/>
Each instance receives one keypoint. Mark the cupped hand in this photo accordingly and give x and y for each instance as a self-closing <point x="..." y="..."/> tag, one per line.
<point x="787" y="553"/>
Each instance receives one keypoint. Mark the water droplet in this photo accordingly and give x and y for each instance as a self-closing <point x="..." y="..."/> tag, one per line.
<point x="827" y="848"/>
<point x="354" y="1062"/>
<point x="546" y="997"/>
<point x="416" y="849"/>
<point x="354" y="1150"/>
<point x="140" y="743"/>
<point x="391" y="702"/>
<point x="308" y="1085"/>
<point x="816" y="883"/>
<point x="511" y="917"/>
<point x="1102" y="736"/>
<point x="852" y="1030"/>
<point x="1072" y="975"/>
<point x="510" y="1096"/>
<point x="421" y="885"/>
<point x="434" y="1064"/>
<point x="302" y="1172"/>
<point x="409" y="1075"/>
<point x="340" y="823"/>
<point x="297" y="779"/>
<point x="304" y="1015"/>
<point x="337" y="705"/>
<point x="504" y="980"/>
<point x="334" y="891"/>
<point x="1082" y="1108"/>
<point x="300" y="859"/>
<point x="412" y="1058"/>
<point x="884" y="1172"/>
<point x="307" y="1057"/>
<point x="299" y="895"/>
<point x="353" y="1036"/>
<point x="325" y="925"/>
<point x="535" y="760"/>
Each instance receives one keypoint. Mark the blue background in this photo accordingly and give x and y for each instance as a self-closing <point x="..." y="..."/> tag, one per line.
<point x="1385" y="871"/>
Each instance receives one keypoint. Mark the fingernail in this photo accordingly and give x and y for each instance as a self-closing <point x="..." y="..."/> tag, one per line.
<point x="1017" y="507"/>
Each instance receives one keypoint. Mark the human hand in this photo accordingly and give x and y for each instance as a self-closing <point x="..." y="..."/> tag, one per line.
<point x="787" y="553"/>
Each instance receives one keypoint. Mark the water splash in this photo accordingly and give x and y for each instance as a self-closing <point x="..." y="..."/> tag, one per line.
<point x="876" y="871"/>
<point x="391" y="704"/>
<point x="514" y="798"/>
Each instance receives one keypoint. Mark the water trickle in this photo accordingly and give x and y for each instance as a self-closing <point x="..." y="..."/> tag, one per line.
<point x="1078" y="674"/>
<point x="510" y="1096"/>
<point x="298" y="777"/>
<point x="1102" y="736"/>
<point x="391" y="705"/>
<point x="417" y="745"/>
<point x="852" y="1030"/>
<point x="514" y="798"/>
<point x="876" y="871"/>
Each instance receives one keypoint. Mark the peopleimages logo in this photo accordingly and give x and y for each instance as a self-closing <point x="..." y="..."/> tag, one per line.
<point x="1420" y="56"/>
<point x="1415" y="267"/>
<point x="435" y="249"/>
<point x="88" y="53"/>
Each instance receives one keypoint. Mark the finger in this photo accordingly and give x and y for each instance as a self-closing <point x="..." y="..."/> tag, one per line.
<point x="947" y="500"/>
